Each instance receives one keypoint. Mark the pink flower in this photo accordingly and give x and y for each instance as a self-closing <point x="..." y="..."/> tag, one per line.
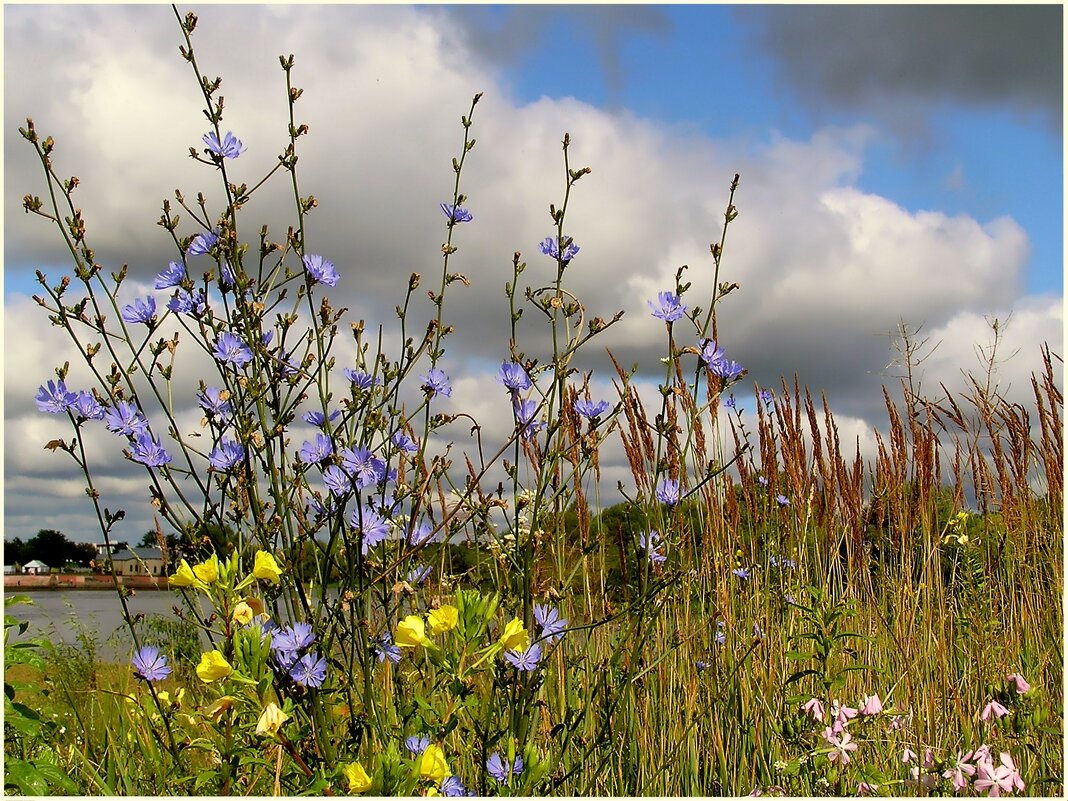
<point x="842" y="715"/>
<point x="995" y="781"/>
<point x="814" y="708"/>
<point x="928" y="758"/>
<point x="993" y="708"/>
<point x="908" y="755"/>
<point x="865" y="789"/>
<point x="955" y="773"/>
<point x="1021" y="683"/>
<point x="841" y="746"/>
<point x="871" y="705"/>
<point x="1013" y="774"/>
<point x="927" y="779"/>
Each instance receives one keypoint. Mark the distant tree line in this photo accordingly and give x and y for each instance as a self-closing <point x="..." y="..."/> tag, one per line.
<point x="51" y="547"/>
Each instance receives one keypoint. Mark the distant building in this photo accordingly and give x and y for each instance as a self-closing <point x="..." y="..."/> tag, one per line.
<point x="34" y="568"/>
<point x="139" y="562"/>
<point x="9" y="570"/>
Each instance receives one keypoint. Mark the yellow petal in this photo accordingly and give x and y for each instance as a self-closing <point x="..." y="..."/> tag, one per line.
<point x="271" y="719"/>
<point x="410" y="632"/>
<point x="242" y="614"/>
<point x="213" y="666"/>
<point x="208" y="570"/>
<point x="515" y="636"/>
<point x="183" y="576"/>
<point x="443" y="618"/>
<point x="432" y="764"/>
<point x="265" y="568"/>
<point x="359" y="781"/>
<point x="219" y="708"/>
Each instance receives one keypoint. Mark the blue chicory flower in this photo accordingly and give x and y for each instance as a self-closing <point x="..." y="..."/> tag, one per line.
<point x="730" y="403"/>
<point x="782" y="500"/>
<point x="309" y="671"/>
<point x="548" y="618"/>
<point x="667" y="492"/>
<point x="701" y="665"/>
<point x="337" y="480"/>
<point x="742" y="573"/>
<point x="417" y="575"/>
<point x="228" y="455"/>
<point x="452" y="786"/>
<point x="456" y="214"/>
<point x="423" y="532"/>
<point x="320" y="270"/>
<point x="212" y="402"/>
<point x="589" y="409"/>
<point x="88" y="406"/>
<point x="514" y="377"/>
<point x="765" y="396"/>
<point x="293" y="639"/>
<point x="363" y="466"/>
<point x="360" y="379"/>
<point x="172" y="276"/>
<point x="148" y="451"/>
<point x="417" y="745"/>
<point x="404" y="443"/>
<point x="150" y="664"/>
<point x="231" y="349"/>
<point x="436" y="382"/>
<point x="670" y="309"/>
<point x="140" y="311"/>
<point x="126" y="419"/>
<point x="551" y="247"/>
<point x="202" y="243"/>
<point x="183" y="302"/>
<point x="318" y="419"/>
<point x="501" y="772"/>
<point x="385" y="649"/>
<point x="651" y="544"/>
<point x="318" y="451"/>
<point x="524" y="415"/>
<point x="527" y="660"/>
<point x="55" y="398"/>
<point x="370" y="526"/>
<point x="229" y="148"/>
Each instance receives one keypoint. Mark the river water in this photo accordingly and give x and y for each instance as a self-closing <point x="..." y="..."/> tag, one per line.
<point x="60" y="615"/>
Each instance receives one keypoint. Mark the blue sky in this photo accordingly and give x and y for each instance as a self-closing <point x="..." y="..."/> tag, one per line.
<point x="703" y="68"/>
<point x="899" y="164"/>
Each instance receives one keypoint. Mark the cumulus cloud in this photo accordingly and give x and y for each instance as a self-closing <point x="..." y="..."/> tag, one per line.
<point x="826" y="270"/>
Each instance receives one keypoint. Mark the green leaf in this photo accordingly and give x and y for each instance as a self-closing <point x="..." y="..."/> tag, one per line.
<point x="801" y="674"/>
<point x="798" y="656"/>
<point x="26" y="777"/>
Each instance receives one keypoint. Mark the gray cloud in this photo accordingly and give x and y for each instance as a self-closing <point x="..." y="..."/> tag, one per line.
<point x="896" y="60"/>
<point x="504" y="35"/>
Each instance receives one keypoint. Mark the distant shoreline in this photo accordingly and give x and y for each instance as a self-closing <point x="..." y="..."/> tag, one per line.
<point x="61" y="581"/>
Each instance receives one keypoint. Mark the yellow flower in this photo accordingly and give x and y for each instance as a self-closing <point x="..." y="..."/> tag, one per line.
<point x="242" y="614"/>
<point x="184" y="576"/>
<point x="963" y="539"/>
<point x="359" y="781"/>
<point x="431" y="791"/>
<point x="271" y="719"/>
<point x="410" y="632"/>
<point x="515" y="636"/>
<point x="443" y="618"/>
<point x="266" y="569"/>
<point x="213" y="666"/>
<point x="432" y="764"/>
<point x="208" y="570"/>
<point x="219" y="708"/>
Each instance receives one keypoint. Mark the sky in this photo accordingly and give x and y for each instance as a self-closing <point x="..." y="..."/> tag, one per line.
<point x="899" y="164"/>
